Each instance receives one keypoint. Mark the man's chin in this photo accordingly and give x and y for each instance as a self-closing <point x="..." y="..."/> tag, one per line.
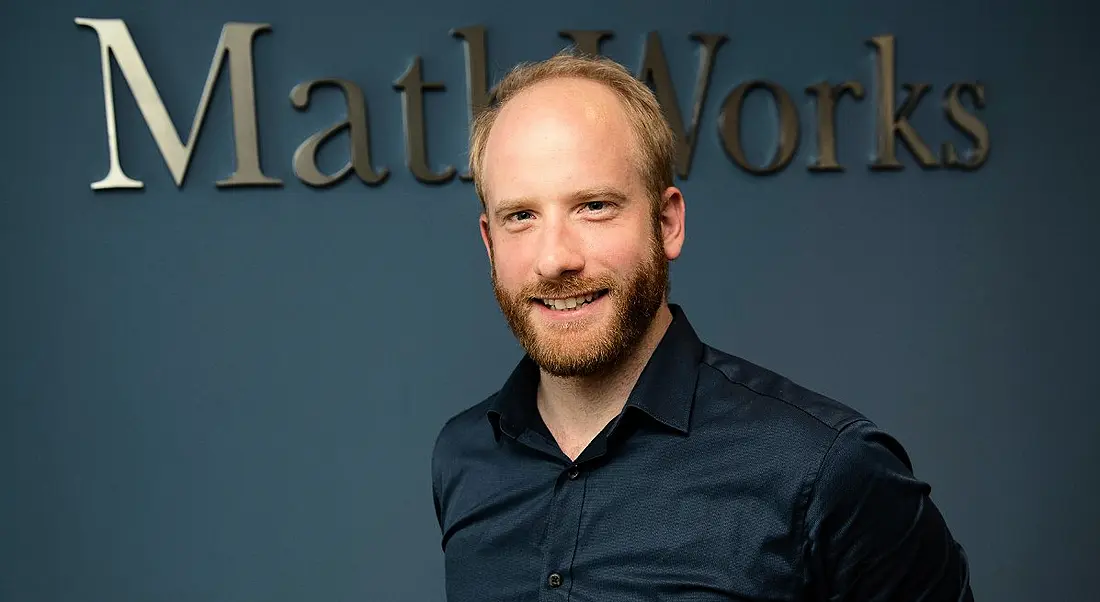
<point x="576" y="351"/>
<point x="570" y="364"/>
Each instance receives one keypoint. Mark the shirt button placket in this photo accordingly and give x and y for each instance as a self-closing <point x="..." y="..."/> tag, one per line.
<point x="561" y="536"/>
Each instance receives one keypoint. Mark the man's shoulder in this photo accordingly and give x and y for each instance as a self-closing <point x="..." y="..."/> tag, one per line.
<point x="858" y="497"/>
<point x="798" y="422"/>
<point x="468" y="425"/>
<point x="769" y="398"/>
<point x="793" y="429"/>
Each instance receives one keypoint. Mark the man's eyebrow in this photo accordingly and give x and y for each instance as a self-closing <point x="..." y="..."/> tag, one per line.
<point x="509" y="206"/>
<point x="600" y="192"/>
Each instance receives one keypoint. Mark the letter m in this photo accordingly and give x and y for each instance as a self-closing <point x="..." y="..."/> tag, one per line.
<point x="236" y="41"/>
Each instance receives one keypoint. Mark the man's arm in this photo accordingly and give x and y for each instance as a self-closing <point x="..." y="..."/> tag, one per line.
<point x="875" y="535"/>
<point x="437" y="460"/>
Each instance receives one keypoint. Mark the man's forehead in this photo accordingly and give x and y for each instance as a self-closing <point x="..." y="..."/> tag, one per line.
<point x="590" y="98"/>
<point x="555" y="131"/>
<point x="561" y="109"/>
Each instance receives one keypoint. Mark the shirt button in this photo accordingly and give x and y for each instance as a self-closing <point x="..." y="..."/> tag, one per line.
<point x="554" y="580"/>
<point x="574" y="473"/>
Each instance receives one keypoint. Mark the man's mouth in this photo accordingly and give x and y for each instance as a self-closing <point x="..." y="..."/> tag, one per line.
<point x="570" y="303"/>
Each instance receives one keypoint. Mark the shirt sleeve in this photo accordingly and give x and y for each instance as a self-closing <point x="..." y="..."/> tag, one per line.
<point x="874" y="533"/>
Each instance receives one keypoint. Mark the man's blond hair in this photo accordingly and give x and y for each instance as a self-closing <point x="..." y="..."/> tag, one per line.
<point x="655" y="142"/>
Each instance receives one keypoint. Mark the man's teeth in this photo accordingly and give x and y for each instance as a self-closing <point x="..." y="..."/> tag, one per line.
<point x="571" y="302"/>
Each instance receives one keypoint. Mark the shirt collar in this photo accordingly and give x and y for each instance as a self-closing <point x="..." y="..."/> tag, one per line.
<point x="665" y="390"/>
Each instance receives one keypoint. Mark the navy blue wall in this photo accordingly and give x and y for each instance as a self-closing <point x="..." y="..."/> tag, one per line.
<point x="227" y="395"/>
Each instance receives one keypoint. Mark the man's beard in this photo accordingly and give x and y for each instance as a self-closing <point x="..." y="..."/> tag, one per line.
<point x="634" y="305"/>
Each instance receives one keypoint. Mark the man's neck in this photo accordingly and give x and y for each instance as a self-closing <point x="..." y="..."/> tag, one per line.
<point x="577" y="409"/>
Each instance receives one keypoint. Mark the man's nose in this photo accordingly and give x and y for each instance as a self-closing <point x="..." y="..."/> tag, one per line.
<point x="560" y="253"/>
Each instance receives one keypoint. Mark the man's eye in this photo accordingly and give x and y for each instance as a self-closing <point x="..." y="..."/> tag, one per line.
<point x="521" y="215"/>
<point x="596" y="205"/>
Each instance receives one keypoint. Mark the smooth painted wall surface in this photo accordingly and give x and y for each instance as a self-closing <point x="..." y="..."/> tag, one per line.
<point x="224" y="395"/>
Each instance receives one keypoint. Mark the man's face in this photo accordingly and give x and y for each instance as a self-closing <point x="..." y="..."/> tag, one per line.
<point x="579" y="260"/>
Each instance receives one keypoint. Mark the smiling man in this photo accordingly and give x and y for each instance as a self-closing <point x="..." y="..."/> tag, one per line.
<point x="625" y="459"/>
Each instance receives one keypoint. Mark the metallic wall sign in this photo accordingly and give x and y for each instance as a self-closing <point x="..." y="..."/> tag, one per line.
<point x="235" y="48"/>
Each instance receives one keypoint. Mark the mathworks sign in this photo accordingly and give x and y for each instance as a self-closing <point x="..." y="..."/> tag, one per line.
<point x="234" y="52"/>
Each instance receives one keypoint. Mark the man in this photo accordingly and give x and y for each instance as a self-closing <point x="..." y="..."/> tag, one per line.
<point x="624" y="459"/>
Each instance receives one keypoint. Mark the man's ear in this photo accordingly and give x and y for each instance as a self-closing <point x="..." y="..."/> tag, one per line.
<point x="486" y="237"/>
<point x="672" y="222"/>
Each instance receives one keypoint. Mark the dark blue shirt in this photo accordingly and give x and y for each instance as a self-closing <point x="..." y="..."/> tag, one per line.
<point x="719" y="480"/>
